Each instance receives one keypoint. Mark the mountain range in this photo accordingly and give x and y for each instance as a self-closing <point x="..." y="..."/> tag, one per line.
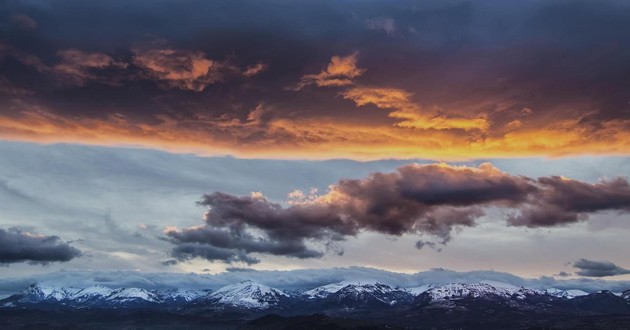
<point x="362" y="304"/>
<point x="345" y="295"/>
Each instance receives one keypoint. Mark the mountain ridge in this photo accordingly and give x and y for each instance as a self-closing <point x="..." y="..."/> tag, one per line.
<point x="249" y="295"/>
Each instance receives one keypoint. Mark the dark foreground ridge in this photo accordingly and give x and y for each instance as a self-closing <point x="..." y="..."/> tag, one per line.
<point x="346" y="305"/>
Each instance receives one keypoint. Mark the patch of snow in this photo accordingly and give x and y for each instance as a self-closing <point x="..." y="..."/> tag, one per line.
<point x="418" y="290"/>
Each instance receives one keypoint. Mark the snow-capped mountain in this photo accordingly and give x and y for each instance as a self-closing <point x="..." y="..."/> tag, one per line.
<point x="346" y="296"/>
<point x="91" y="295"/>
<point x="127" y="296"/>
<point x="41" y="293"/>
<point x="180" y="295"/>
<point x="248" y="294"/>
<point x="481" y="290"/>
<point x="359" y="293"/>
<point x="94" y="296"/>
<point x="568" y="294"/>
<point x="418" y="290"/>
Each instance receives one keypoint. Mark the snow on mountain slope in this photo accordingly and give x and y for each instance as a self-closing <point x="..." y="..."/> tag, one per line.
<point x="417" y="290"/>
<point x="91" y="294"/>
<point x="46" y="293"/>
<point x="181" y="295"/>
<point x="132" y="295"/>
<point x="40" y="292"/>
<point x="568" y="294"/>
<point x="486" y="289"/>
<point x="248" y="294"/>
<point x="359" y="293"/>
<point x="326" y="290"/>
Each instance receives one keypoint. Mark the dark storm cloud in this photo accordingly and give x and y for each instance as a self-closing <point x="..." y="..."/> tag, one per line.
<point x="165" y="67"/>
<point x="18" y="246"/>
<point x="427" y="199"/>
<point x="562" y="201"/>
<point x="592" y="268"/>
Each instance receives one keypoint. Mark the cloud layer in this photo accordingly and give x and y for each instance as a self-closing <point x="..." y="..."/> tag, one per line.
<point x="301" y="279"/>
<point x="19" y="246"/>
<point x="363" y="80"/>
<point x="430" y="199"/>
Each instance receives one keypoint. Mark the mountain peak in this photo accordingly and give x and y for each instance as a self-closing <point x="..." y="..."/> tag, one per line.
<point x="363" y="292"/>
<point x="248" y="294"/>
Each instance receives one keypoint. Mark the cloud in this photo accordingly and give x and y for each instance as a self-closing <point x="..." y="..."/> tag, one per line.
<point x="19" y="246"/>
<point x="420" y="244"/>
<point x="181" y="69"/>
<point x="467" y="85"/>
<point x="340" y="72"/>
<point x="24" y="22"/>
<point x="560" y="201"/>
<point x="562" y="274"/>
<point x="77" y="67"/>
<point x="416" y="199"/>
<point x="591" y="268"/>
<point x="384" y="24"/>
<point x="301" y="279"/>
<point x="255" y="69"/>
<point x="410" y="114"/>
<point x="239" y="270"/>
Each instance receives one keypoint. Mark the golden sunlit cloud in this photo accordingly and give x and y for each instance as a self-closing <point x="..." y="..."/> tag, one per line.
<point x="317" y="138"/>
<point x="340" y="72"/>
<point x="410" y="114"/>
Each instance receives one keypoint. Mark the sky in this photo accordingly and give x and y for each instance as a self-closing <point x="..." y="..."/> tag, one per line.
<point x="231" y="138"/>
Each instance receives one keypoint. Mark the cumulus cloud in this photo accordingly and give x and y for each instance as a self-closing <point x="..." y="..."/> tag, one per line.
<point x="560" y="200"/>
<point x="181" y="69"/>
<point x="340" y="72"/>
<point x="592" y="268"/>
<point x="429" y="199"/>
<point x="20" y="246"/>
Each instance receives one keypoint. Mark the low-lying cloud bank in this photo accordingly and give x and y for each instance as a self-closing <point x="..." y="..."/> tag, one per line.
<point x="20" y="246"/>
<point x="429" y="199"/>
<point x="297" y="279"/>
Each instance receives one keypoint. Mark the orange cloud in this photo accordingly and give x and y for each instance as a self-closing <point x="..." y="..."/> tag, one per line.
<point x="255" y="69"/>
<point x="76" y="67"/>
<point x="315" y="138"/>
<point x="188" y="70"/>
<point x="340" y="72"/>
<point x="409" y="113"/>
